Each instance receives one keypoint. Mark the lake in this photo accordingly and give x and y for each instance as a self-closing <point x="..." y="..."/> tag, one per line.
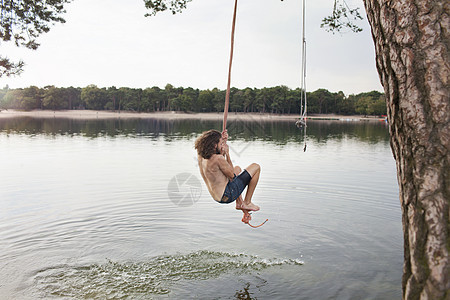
<point x="116" y="208"/>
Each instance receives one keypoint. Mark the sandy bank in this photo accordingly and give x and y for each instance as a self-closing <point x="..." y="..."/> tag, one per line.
<point x="92" y="114"/>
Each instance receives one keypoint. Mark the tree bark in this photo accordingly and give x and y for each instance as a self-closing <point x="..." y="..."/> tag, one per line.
<point x="412" y="55"/>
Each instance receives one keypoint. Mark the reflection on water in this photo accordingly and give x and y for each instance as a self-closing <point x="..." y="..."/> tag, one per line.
<point x="86" y="212"/>
<point x="280" y="132"/>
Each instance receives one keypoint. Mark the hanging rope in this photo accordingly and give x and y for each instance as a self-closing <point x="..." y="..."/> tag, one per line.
<point x="227" y="95"/>
<point x="303" y="80"/>
<point x="301" y="123"/>
<point x="247" y="217"/>
<point x="258" y="225"/>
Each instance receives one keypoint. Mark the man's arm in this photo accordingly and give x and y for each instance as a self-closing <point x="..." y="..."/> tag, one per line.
<point x="226" y="152"/>
<point x="227" y="156"/>
<point x="226" y="167"/>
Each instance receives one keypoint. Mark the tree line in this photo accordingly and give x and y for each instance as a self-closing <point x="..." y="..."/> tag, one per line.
<point x="276" y="100"/>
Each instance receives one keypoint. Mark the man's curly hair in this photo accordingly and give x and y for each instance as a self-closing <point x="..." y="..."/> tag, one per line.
<point x="207" y="142"/>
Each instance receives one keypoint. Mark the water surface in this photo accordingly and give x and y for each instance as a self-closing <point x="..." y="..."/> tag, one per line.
<point x="86" y="212"/>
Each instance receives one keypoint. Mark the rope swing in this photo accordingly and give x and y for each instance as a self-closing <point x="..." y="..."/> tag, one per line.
<point x="257" y="225"/>
<point x="301" y="123"/>
<point x="227" y="95"/>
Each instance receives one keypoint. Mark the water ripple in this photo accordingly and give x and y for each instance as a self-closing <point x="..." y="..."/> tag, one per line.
<point x="154" y="277"/>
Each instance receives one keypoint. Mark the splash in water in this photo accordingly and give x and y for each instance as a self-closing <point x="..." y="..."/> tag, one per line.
<point x="121" y="280"/>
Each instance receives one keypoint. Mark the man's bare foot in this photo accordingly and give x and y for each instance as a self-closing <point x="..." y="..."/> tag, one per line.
<point x="247" y="217"/>
<point x="249" y="207"/>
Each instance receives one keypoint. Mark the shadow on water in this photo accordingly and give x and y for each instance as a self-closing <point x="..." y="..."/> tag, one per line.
<point x="245" y="293"/>
<point x="279" y="132"/>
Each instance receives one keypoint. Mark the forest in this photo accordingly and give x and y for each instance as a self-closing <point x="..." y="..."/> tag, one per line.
<point x="276" y="100"/>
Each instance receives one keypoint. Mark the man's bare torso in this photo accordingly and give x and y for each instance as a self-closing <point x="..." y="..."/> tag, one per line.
<point x="215" y="179"/>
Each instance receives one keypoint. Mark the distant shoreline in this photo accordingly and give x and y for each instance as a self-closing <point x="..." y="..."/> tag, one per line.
<point x="171" y="115"/>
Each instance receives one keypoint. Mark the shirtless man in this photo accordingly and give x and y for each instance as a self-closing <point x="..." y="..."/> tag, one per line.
<point x="221" y="178"/>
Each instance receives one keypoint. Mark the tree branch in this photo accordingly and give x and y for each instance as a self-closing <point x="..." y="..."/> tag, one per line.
<point x="343" y="17"/>
<point x="155" y="6"/>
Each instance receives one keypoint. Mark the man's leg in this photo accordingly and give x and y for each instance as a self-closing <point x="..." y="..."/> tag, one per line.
<point x="254" y="170"/>
<point x="239" y="201"/>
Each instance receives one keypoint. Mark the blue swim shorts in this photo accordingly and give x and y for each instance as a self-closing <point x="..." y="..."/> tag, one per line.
<point x="235" y="187"/>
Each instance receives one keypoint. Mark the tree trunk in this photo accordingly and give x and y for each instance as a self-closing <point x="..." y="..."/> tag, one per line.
<point x="412" y="55"/>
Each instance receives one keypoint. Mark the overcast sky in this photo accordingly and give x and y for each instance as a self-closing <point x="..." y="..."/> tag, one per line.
<point x="111" y="43"/>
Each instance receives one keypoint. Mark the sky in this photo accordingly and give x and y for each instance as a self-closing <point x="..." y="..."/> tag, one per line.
<point x="111" y="43"/>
